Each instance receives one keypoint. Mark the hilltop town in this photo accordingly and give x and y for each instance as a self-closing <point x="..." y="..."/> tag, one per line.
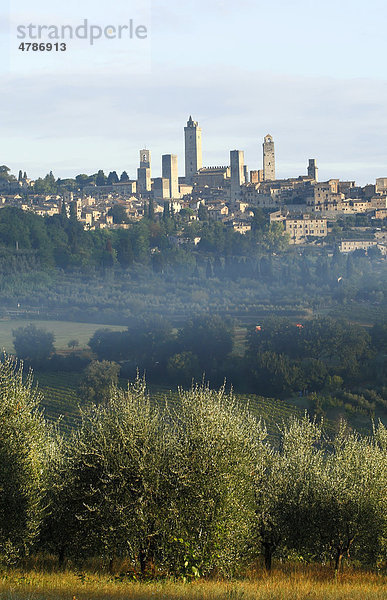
<point x="307" y="208"/>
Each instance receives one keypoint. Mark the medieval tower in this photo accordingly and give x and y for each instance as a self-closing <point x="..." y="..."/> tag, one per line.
<point x="313" y="169"/>
<point x="193" y="149"/>
<point x="144" y="172"/>
<point x="170" y="172"/>
<point x="237" y="174"/>
<point x="268" y="159"/>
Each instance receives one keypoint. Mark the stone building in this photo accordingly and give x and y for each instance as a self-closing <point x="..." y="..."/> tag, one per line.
<point x="211" y="177"/>
<point x="256" y="176"/>
<point x="381" y="185"/>
<point x="379" y="201"/>
<point x="161" y="188"/>
<point x="327" y="197"/>
<point x="299" y="228"/>
<point x="352" y="245"/>
<point x="217" y="212"/>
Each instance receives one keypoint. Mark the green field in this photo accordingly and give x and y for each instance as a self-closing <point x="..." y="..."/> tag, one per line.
<point x="61" y="400"/>
<point x="60" y="397"/>
<point x="64" y="331"/>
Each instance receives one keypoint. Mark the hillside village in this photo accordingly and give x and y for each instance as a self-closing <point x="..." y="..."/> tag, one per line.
<point x="307" y="208"/>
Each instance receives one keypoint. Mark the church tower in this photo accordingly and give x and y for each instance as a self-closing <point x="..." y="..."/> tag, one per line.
<point x="193" y="149"/>
<point x="145" y="159"/>
<point x="144" y="172"/>
<point x="268" y="159"/>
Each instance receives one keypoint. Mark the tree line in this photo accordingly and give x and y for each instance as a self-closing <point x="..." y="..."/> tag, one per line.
<point x="61" y="241"/>
<point x="107" y="276"/>
<point x="192" y="490"/>
<point x="281" y="357"/>
<point x="327" y="360"/>
<point x="30" y="243"/>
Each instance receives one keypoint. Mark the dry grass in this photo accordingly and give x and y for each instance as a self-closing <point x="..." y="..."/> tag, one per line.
<point x="296" y="584"/>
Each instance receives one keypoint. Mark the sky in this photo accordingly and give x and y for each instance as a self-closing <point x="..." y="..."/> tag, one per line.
<point x="312" y="74"/>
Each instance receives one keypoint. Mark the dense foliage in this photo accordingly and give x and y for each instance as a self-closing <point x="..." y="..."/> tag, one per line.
<point x="328" y="362"/>
<point x="322" y="359"/>
<point x="190" y="491"/>
<point x="33" y="344"/>
<point x="262" y="253"/>
<point x="61" y="241"/>
<point x="25" y="448"/>
<point x="54" y="267"/>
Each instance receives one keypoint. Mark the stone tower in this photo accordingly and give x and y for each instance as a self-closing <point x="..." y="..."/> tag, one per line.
<point x="144" y="172"/>
<point x="193" y="149"/>
<point x="268" y="159"/>
<point x="145" y="159"/>
<point x="313" y="169"/>
<point x="237" y="173"/>
<point x="169" y="171"/>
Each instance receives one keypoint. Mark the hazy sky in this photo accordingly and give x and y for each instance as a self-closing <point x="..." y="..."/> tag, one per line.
<point x="311" y="73"/>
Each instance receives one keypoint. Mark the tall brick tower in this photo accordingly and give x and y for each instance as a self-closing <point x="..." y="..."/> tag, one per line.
<point x="170" y="172"/>
<point x="268" y="159"/>
<point x="313" y="169"/>
<point x="193" y="149"/>
<point x="237" y="159"/>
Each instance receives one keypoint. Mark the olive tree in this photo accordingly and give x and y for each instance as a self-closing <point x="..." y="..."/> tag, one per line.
<point x="97" y="379"/>
<point x="24" y="453"/>
<point x="111" y="482"/>
<point x="353" y="502"/>
<point x="284" y="484"/>
<point x="215" y="445"/>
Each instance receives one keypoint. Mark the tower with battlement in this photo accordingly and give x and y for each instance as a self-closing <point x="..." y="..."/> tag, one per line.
<point x="193" y="149"/>
<point x="268" y="159"/>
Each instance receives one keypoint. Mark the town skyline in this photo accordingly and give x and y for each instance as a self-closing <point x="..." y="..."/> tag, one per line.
<point x="311" y="76"/>
<point x="304" y="208"/>
<point x="157" y="162"/>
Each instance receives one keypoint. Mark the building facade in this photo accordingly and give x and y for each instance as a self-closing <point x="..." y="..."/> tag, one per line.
<point x="299" y="228"/>
<point x="352" y="245"/>
<point x="161" y="188"/>
<point x="212" y="177"/>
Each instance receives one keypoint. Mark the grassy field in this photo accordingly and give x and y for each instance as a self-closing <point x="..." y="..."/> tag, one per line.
<point x="280" y="585"/>
<point x="63" y="331"/>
